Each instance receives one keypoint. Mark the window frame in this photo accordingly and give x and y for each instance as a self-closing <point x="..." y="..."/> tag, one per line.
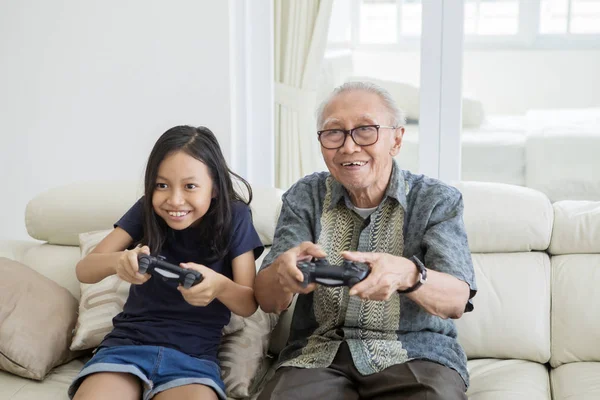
<point x="527" y="36"/>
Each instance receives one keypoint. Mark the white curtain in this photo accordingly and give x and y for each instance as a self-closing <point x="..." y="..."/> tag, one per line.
<point x="301" y="28"/>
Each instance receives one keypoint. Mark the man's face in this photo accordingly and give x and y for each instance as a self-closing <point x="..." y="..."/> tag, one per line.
<point x="358" y="168"/>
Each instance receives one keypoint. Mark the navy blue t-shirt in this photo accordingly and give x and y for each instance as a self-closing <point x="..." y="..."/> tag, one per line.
<point x="157" y="314"/>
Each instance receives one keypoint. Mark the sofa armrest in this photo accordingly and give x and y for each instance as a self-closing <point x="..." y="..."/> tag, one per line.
<point x="16" y="249"/>
<point x="53" y="261"/>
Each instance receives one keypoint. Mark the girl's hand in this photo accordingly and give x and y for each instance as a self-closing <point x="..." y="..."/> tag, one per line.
<point x="127" y="267"/>
<point x="206" y="291"/>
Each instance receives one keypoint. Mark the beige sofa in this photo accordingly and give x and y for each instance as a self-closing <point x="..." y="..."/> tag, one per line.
<point x="535" y="330"/>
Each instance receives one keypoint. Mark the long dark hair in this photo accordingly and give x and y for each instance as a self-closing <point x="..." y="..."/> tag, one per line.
<point x="215" y="227"/>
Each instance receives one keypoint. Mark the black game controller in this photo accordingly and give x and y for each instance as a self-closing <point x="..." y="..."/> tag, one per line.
<point x="157" y="265"/>
<point x="320" y="271"/>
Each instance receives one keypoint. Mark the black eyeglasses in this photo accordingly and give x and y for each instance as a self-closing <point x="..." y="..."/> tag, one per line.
<point x="364" y="135"/>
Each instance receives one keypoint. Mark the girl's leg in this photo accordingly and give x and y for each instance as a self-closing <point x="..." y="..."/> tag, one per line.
<point x="110" y="386"/>
<point x="191" y="392"/>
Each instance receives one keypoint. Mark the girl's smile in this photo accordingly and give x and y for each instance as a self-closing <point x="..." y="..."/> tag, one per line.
<point x="178" y="215"/>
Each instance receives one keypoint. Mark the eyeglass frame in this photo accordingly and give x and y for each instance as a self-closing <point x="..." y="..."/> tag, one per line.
<point x="350" y="132"/>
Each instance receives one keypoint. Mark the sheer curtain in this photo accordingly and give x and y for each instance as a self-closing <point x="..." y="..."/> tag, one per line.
<point x="300" y="38"/>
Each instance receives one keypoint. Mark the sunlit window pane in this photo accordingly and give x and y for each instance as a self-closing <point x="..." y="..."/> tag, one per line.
<point x="470" y="24"/>
<point x="378" y="19"/>
<point x="553" y="16"/>
<point x="340" y="22"/>
<point x="491" y="17"/>
<point x="585" y="16"/>
<point x="411" y="17"/>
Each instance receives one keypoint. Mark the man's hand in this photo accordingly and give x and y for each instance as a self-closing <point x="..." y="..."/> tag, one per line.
<point x="288" y="275"/>
<point x="205" y="292"/>
<point x="388" y="274"/>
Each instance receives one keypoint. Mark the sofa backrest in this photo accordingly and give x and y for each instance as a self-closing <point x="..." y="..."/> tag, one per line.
<point x="57" y="217"/>
<point x="575" y="250"/>
<point x="509" y="228"/>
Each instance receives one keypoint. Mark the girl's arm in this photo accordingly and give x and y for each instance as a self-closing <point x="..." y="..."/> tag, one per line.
<point x="236" y="294"/>
<point x="104" y="259"/>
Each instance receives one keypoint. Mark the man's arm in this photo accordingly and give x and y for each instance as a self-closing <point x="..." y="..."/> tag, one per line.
<point x="442" y="295"/>
<point x="271" y="296"/>
<point x="276" y="285"/>
<point x="446" y="254"/>
<point x="450" y="275"/>
<point x="278" y="279"/>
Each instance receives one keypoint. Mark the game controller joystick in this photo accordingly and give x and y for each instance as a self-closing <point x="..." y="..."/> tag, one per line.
<point x="157" y="265"/>
<point x="320" y="271"/>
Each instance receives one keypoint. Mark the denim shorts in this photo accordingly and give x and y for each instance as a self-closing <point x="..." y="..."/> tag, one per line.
<point x="159" y="369"/>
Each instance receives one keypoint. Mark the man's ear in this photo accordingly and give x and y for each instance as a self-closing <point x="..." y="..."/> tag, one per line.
<point x="398" y="135"/>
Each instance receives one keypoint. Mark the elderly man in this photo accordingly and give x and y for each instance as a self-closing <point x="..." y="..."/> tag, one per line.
<point x="390" y="336"/>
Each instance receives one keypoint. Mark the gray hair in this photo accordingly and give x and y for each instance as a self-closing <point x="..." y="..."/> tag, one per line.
<point x="398" y="116"/>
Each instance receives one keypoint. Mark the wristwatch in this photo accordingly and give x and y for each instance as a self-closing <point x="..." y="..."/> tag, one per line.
<point x="422" y="276"/>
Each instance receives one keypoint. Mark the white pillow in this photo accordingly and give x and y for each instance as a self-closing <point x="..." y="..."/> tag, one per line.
<point x="101" y="302"/>
<point x="242" y="355"/>
<point x="407" y="98"/>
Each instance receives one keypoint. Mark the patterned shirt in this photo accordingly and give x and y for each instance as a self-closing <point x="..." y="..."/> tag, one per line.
<point x="418" y="216"/>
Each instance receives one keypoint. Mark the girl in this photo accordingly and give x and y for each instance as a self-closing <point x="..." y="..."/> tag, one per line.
<point x="164" y="343"/>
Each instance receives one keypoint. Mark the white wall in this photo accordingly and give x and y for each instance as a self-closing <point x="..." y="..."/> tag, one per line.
<point x="86" y="87"/>
<point x="507" y="82"/>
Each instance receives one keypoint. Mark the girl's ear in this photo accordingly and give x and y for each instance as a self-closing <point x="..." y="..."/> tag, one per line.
<point x="214" y="193"/>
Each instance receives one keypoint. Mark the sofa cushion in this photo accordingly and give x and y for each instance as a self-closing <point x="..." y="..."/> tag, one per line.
<point x="575" y="300"/>
<point x="576" y="227"/>
<point x="503" y="218"/>
<point x="508" y="379"/>
<point x="580" y="381"/>
<point x="37" y="317"/>
<point x="281" y="332"/>
<point x="60" y="214"/>
<point x="99" y="302"/>
<point x="266" y="206"/>
<point x="242" y="353"/>
<point x="54" y="262"/>
<point x="54" y="386"/>
<point x="407" y="98"/>
<point x="511" y="318"/>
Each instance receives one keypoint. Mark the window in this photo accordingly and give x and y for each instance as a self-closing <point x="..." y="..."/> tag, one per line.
<point x="491" y="17"/>
<point x="381" y="21"/>
<point x="378" y="21"/>
<point x="570" y="17"/>
<point x="520" y="23"/>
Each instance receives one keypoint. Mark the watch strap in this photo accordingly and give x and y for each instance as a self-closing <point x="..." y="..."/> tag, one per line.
<point x="422" y="276"/>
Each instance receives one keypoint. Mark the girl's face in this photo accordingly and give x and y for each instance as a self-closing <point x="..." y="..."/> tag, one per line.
<point x="183" y="190"/>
